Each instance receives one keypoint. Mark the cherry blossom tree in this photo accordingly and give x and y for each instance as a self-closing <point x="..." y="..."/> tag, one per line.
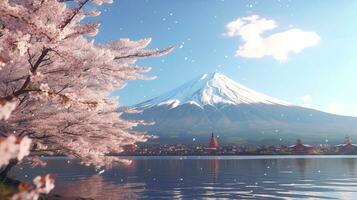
<point x="56" y="82"/>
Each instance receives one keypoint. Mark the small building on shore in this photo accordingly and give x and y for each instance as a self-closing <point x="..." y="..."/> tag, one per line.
<point x="213" y="143"/>
<point x="300" y="148"/>
<point x="130" y="148"/>
<point x="347" y="147"/>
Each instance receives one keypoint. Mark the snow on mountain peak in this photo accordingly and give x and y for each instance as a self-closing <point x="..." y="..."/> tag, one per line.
<point x="210" y="89"/>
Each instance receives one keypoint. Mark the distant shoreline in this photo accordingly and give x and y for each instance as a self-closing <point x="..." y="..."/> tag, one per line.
<point x="204" y="155"/>
<point x="243" y="155"/>
<point x="221" y="156"/>
<point x="246" y="156"/>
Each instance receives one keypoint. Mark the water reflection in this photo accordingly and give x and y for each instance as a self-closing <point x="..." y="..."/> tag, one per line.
<point x="301" y="164"/>
<point x="351" y="164"/>
<point x="214" y="169"/>
<point x="208" y="178"/>
<point x="96" y="187"/>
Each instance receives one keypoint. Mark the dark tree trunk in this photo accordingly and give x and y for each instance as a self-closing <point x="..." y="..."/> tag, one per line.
<point x="7" y="169"/>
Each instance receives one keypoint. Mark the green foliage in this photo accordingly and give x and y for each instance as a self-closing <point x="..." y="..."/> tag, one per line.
<point x="6" y="190"/>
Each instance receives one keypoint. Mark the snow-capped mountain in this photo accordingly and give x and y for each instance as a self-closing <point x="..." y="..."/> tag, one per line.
<point x="210" y="89"/>
<point x="214" y="102"/>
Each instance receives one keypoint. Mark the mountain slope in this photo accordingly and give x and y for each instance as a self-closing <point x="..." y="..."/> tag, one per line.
<point x="213" y="102"/>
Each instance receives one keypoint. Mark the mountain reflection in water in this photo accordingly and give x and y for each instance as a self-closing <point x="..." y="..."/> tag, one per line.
<point x="274" y="177"/>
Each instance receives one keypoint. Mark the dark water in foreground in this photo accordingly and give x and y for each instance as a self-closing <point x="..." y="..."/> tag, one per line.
<point x="221" y="177"/>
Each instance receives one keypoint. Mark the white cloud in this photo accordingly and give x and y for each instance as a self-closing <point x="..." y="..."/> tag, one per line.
<point x="307" y="101"/>
<point x="339" y="108"/>
<point x="278" y="44"/>
<point x="306" y="98"/>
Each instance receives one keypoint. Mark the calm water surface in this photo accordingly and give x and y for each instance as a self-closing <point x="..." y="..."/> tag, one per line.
<point x="221" y="177"/>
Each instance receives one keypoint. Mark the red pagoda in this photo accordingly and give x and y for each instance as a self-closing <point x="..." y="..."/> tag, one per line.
<point x="213" y="144"/>
<point x="347" y="147"/>
<point x="300" y="148"/>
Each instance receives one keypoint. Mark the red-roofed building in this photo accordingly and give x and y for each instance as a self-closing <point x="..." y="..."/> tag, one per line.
<point x="300" y="148"/>
<point x="213" y="144"/>
<point x="130" y="148"/>
<point x="347" y="147"/>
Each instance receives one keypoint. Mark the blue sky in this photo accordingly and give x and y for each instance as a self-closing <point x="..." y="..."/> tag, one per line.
<point x="322" y="75"/>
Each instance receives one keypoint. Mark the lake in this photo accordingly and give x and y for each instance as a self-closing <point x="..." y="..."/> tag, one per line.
<point x="206" y="177"/>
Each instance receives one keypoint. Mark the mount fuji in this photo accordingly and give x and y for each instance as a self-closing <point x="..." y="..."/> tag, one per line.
<point x="237" y="114"/>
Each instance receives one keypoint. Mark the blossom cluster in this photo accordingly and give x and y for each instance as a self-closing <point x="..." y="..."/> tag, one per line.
<point x="43" y="185"/>
<point x="13" y="147"/>
<point x="16" y="148"/>
<point x="6" y="108"/>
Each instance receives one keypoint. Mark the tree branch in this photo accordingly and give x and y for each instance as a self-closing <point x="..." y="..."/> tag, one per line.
<point x="33" y="69"/>
<point x="76" y="11"/>
<point x="145" y="54"/>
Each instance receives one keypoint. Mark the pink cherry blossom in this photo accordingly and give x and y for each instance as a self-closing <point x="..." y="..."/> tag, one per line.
<point x="56" y="81"/>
